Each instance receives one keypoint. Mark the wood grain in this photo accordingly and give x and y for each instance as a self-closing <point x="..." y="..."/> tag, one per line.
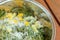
<point x="55" y="6"/>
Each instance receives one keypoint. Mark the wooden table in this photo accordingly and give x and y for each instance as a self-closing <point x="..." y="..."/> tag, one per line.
<point x="56" y="11"/>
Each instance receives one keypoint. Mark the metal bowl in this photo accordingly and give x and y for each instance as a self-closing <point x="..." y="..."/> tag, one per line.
<point x="44" y="9"/>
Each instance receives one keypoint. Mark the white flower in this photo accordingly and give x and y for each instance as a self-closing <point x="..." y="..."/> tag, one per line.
<point x="20" y="24"/>
<point x="26" y="33"/>
<point x="9" y="29"/>
<point x="18" y="35"/>
<point x="38" y="24"/>
<point x="30" y="18"/>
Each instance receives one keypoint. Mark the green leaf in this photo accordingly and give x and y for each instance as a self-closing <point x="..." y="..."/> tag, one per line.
<point x="2" y="12"/>
<point x="46" y="33"/>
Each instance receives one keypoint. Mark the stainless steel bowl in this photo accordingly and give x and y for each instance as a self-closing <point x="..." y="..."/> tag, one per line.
<point x="43" y="8"/>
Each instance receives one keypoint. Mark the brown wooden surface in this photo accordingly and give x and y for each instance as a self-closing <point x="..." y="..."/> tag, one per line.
<point x="55" y="6"/>
<point x="56" y="11"/>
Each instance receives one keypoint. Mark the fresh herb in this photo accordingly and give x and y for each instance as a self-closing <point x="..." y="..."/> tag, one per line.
<point x="2" y="12"/>
<point x="46" y="33"/>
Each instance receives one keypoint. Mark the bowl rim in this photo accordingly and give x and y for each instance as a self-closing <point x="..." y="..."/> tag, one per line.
<point x="49" y="15"/>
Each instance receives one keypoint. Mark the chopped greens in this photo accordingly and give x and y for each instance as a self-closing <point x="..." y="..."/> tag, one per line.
<point x="25" y="22"/>
<point x="2" y="12"/>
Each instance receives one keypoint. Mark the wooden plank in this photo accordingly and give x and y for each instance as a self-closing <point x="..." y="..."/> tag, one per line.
<point x="55" y="6"/>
